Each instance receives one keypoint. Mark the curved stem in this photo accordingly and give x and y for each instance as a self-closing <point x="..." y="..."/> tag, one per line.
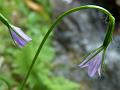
<point x="110" y="29"/>
<point x="54" y="24"/>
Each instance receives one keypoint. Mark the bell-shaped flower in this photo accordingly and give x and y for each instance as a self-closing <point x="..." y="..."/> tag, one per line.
<point x="93" y="66"/>
<point x="18" y="36"/>
<point x="94" y="61"/>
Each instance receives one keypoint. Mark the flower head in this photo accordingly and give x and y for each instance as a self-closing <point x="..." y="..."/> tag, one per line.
<point x="94" y="65"/>
<point x="18" y="36"/>
<point x="93" y="61"/>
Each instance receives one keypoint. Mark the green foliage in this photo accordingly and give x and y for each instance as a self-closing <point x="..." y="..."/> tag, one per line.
<point x="42" y="77"/>
<point x="42" y="74"/>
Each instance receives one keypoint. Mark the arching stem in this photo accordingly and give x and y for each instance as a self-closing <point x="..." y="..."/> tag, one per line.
<point x="106" y="41"/>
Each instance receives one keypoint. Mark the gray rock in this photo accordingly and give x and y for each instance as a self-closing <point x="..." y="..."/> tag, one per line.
<point x="76" y="35"/>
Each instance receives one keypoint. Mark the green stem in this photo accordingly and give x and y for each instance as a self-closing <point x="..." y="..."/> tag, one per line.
<point x="4" y="20"/>
<point x="110" y="29"/>
<point x="103" y="57"/>
<point x="51" y="28"/>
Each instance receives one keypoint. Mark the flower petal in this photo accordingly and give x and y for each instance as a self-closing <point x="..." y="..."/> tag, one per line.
<point x="99" y="71"/>
<point x="94" y="65"/>
<point x="18" y="40"/>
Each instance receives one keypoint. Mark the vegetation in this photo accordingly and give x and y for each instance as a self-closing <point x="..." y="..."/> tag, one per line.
<point x="34" y="19"/>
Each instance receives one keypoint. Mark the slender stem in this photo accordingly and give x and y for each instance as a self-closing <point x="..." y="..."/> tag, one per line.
<point x="52" y="27"/>
<point x="103" y="57"/>
<point x="4" y="20"/>
<point x="110" y="29"/>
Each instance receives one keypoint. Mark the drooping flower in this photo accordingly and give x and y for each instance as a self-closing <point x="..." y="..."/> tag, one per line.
<point x="93" y="66"/>
<point x="18" y="36"/>
<point x="93" y="61"/>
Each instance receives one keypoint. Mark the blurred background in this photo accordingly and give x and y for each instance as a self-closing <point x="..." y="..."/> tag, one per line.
<point x="77" y="34"/>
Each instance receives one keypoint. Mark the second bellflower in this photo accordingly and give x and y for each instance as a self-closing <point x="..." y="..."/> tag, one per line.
<point x="18" y="36"/>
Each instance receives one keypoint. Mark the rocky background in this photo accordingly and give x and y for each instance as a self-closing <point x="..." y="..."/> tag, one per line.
<point x="80" y="32"/>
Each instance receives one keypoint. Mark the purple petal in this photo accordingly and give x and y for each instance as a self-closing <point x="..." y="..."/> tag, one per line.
<point x="99" y="71"/>
<point x="94" y="65"/>
<point x="18" y="40"/>
<point x="21" y="33"/>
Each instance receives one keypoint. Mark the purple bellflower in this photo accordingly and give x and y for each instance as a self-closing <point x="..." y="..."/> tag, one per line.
<point x="93" y="62"/>
<point x="93" y="66"/>
<point x="18" y="36"/>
